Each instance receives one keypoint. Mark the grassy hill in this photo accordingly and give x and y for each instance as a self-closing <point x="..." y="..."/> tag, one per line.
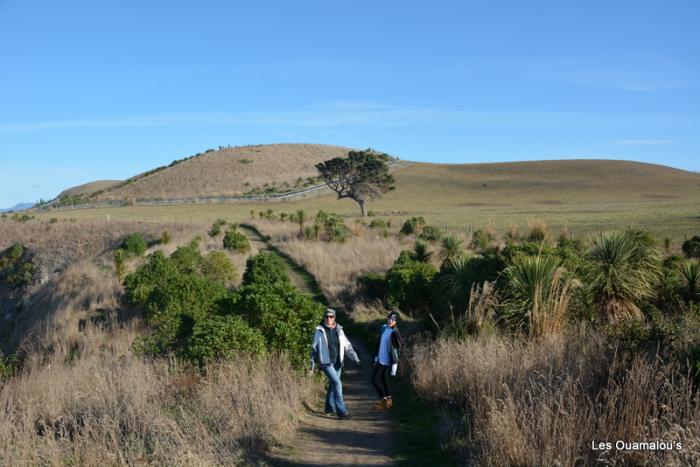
<point x="228" y="171"/>
<point x="582" y="195"/>
<point x="89" y="188"/>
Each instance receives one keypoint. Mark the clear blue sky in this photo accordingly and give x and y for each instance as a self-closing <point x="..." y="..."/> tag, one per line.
<point x="103" y="90"/>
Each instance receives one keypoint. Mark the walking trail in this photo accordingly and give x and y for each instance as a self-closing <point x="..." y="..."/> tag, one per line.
<point x="365" y="439"/>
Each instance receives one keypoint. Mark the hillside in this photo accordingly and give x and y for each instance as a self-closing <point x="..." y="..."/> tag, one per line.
<point x="89" y="188"/>
<point x="228" y="171"/>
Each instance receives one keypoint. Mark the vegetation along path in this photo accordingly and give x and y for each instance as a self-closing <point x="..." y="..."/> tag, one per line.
<point x="366" y="439"/>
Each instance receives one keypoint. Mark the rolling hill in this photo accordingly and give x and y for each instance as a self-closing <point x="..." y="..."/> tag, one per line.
<point x="581" y="195"/>
<point x="226" y="172"/>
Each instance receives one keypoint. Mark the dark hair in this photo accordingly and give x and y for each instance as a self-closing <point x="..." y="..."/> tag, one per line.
<point x="393" y="314"/>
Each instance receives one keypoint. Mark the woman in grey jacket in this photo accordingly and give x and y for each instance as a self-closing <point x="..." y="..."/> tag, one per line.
<point x="328" y="350"/>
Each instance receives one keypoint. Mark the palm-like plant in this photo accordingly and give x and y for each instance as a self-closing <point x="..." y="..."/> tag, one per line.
<point x="540" y="292"/>
<point x="623" y="267"/>
<point x="690" y="272"/>
<point x="450" y="248"/>
<point x="456" y="278"/>
<point x="420" y="251"/>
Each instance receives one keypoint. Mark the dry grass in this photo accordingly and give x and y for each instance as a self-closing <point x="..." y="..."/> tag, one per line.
<point x="88" y="188"/>
<point x="226" y="172"/>
<point x="519" y="402"/>
<point x="585" y="196"/>
<point x="334" y="265"/>
<point x="84" y="398"/>
<point x="62" y="243"/>
<point x="98" y="404"/>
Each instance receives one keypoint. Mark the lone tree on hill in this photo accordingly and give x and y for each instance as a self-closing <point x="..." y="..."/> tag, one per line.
<point x="361" y="175"/>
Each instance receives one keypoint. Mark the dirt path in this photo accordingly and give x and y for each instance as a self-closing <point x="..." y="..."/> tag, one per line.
<point x="366" y="439"/>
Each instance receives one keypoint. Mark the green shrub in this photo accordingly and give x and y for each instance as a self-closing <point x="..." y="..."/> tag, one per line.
<point x="337" y="232"/>
<point x="216" y="266"/>
<point x="409" y="283"/>
<point x="691" y="247"/>
<point x="236" y="241"/>
<point x="216" y="227"/>
<point x="430" y="233"/>
<point x="414" y="225"/>
<point x="265" y="268"/>
<point x="453" y="283"/>
<point x="480" y="240"/>
<point x="373" y="285"/>
<point x="377" y="224"/>
<point x="16" y="266"/>
<point x="222" y="337"/>
<point x="165" y="238"/>
<point x="173" y="301"/>
<point x="134" y="244"/>
<point x="285" y="317"/>
<point x="187" y="259"/>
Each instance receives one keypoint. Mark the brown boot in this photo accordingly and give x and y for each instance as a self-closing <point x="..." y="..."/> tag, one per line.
<point x="388" y="403"/>
<point x="381" y="405"/>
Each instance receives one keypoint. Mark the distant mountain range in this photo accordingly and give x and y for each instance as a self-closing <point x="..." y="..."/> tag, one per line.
<point x="18" y="207"/>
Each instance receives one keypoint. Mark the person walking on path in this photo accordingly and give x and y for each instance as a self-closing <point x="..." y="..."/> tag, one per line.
<point x="328" y="350"/>
<point x="386" y="360"/>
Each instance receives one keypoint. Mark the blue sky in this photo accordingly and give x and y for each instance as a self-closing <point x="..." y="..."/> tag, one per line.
<point x="103" y="90"/>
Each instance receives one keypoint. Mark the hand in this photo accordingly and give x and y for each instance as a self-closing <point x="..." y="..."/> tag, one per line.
<point x="394" y="367"/>
<point x="358" y="362"/>
<point x="376" y="360"/>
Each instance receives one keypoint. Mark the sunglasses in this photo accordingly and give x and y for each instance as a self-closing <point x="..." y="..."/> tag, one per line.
<point x="392" y="319"/>
<point x="329" y="316"/>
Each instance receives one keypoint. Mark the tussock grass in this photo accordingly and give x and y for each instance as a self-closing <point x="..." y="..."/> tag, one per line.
<point x="83" y="397"/>
<point x="334" y="265"/>
<point x="518" y="402"/>
<point x="109" y="407"/>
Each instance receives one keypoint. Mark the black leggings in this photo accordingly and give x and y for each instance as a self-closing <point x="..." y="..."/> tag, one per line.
<point x="380" y="380"/>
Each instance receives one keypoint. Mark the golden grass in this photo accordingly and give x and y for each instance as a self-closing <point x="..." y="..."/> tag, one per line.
<point x="334" y="265"/>
<point x="225" y="172"/>
<point x="84" y="398"/>
<point x="584" y="196"/>
<point x="101" y="405"/>
<point x="519" y="402"/>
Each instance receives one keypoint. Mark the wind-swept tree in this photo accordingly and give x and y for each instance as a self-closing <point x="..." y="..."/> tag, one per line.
<point x="361" y="175"/>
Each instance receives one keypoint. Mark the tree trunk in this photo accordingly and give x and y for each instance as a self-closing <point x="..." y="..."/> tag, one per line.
<point x="361" y="202"/>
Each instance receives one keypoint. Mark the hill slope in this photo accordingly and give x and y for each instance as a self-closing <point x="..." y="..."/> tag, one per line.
<point x="229" y="171"/>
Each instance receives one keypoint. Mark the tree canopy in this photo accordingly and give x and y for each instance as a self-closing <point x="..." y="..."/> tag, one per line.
<point x="361" y="175"/>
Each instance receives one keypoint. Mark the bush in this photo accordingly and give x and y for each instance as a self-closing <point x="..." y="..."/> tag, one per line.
<point x="480" y="240"/>
<point x="236" y="241"/>
<point x="377" y="224"/>
<point x="265" y="268"/>
<point x="431" y="233"/>
<point x="222" y="337"/>
<point x="16" y="266"/>
<point x="165" y="238"/>
<point x="373" y="285"/>
<point x="691" y="247"/>
<point x="216" y="227"/>
<point x="187" y="258"/>
<point x="453" y="284"/>
<point x="173" y="301"/>
<point x="285" y="317"/>
<point x="217" y="267"/>
<point x="413" y="225"/>
<point x="134" y="244"/>
<point x="409" y="283"/>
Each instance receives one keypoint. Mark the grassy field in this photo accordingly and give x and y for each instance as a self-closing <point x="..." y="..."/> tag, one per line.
<point x="581" y="196"/>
